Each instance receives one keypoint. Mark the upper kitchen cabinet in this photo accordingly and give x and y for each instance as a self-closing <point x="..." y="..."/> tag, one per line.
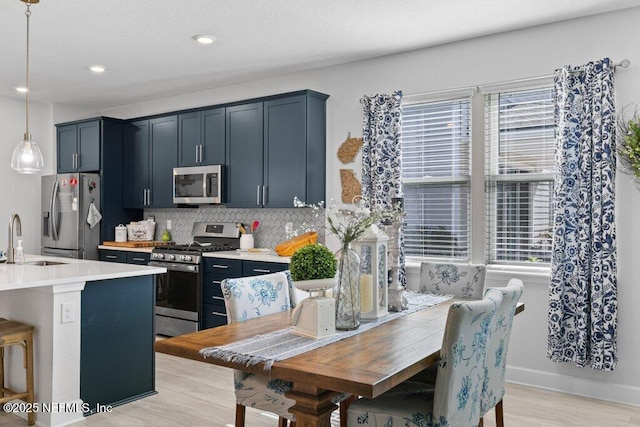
<point x="150" y="155"/>
<point x="96" y="145"/>
<point x="201" y="138"/>
<point x="276" y="151"/>
<point x="78" y="147"/>
<point x="244" y="155"/>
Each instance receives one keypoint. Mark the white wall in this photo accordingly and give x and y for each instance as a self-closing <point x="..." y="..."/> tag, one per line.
<point x="515" y="55"/>
<point x="21" y="193"/>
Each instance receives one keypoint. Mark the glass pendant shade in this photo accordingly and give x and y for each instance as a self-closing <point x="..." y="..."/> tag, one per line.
<point x="27" y="157"/>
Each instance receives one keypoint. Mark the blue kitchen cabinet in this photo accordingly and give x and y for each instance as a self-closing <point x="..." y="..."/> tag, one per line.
<point x="117" y="359"/>
<point x="201" y="138"/>
<point x="244" y="155"/>
<point x="136" y="164"/>
<point x="124" y="257"/>
<point x="96" y="145"/>
<point x="78" y="147"/>
<point x="150" y="156"/>
<point x="216" y="270"/>
<point x="284" y="159"/>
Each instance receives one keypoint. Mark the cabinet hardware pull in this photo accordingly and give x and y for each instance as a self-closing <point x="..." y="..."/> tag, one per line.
<point x="111" y="256"/>
<point x="138" y="259"/>
<point x="258" y="195"/>
<point x="218" y="298"/>
<point x="200" y="151"/>
<point x="219" y="266"/>
<point x="218" y="314"/>
<point x="264" y="195"/>
<point x="261" y="270"/>
<point x="217" y="282"/>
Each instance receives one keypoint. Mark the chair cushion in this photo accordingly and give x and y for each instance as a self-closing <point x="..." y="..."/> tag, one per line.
<point x="267" y="394"/>
<point x="249" y="297"/>
<point x="460" y="280"/>
<point x="409" y="403"/>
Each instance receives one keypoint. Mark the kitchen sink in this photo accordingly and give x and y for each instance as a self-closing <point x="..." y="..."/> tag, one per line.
<point x="44" y="263"/>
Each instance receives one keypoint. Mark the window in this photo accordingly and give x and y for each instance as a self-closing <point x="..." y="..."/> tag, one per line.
<point x="519" y="144"/>
<point x="436" y="156"/>
<point x="517" y="184"/>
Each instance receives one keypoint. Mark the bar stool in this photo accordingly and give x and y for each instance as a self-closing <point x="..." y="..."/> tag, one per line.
<point x="16" y="333"/>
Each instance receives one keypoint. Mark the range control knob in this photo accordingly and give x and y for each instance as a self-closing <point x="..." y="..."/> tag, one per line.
<point x="171" y="257"/>
<point x="186" y="257"/>
<point x="158" y="256"/>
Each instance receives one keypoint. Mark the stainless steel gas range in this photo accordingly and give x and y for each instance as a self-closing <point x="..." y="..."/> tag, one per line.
<point x="179" y="290"/>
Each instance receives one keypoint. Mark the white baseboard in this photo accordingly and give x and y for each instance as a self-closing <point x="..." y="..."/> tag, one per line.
<point x="617" y="393"/>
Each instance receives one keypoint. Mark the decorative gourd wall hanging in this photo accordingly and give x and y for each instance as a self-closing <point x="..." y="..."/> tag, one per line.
<point x="347" y="151"/>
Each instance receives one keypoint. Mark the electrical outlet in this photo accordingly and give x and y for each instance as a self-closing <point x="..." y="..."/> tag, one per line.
<point x="168" y="224"/>
<point x="68" y="312"/>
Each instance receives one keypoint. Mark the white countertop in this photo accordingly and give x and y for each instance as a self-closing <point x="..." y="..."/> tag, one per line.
<point x="271" y="256"/>
<point x="22" y="276"/>
<point x="127" y="249"/>
<point x="249" y="256"/>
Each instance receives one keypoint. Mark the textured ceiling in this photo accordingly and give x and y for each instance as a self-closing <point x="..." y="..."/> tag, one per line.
<point x="147" y="48"/>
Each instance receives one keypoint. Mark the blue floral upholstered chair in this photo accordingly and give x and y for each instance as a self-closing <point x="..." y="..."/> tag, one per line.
<point x="497" y="346"/>
<point x="455" y="399"/>
<point x="247" y="298"/>
<point x="466" y="281"/>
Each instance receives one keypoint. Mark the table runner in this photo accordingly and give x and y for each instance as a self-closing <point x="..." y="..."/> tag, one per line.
<point x="282" y="344"/>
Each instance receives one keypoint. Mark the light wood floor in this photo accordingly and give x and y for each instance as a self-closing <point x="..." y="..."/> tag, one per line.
<point x="199" y="394"/>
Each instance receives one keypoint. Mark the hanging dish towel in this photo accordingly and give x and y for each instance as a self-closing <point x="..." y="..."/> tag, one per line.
<point x="94" y="216"/>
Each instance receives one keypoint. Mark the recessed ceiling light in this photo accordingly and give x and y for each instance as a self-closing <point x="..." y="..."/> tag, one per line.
<point x="97" y="68"/>
<point x="204" y="39"/>
<point x="22" y="89"/>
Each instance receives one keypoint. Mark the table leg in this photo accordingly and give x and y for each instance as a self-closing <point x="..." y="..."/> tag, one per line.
<point x="313" y="406"/>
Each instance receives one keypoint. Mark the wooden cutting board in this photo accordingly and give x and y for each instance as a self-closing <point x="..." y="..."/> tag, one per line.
<point x="140" y="244"/>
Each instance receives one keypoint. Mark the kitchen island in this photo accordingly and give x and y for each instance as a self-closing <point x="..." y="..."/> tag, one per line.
<point x="70" y="305"/>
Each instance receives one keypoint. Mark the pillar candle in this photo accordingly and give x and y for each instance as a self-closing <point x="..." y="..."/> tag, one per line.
<point x="366" y="293"/>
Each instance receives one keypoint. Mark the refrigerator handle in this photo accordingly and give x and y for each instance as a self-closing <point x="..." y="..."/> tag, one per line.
<point x="52" y="209"/>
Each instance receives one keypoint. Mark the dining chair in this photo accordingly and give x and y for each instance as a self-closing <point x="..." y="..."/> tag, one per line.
<point x="460" y="280"/>
<point x="250" y="297"/>
<point x="454" y="401"/>
<point x="497" y="346"/>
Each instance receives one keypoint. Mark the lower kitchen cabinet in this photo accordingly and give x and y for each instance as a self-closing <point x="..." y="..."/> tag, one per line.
<point x="125" y="257"/>
<point x="216" y="270"/>
<point x="117" y="359"/>
<point x="112" y="256"/>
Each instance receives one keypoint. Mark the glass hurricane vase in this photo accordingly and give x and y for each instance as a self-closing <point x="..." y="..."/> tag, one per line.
<point x="347" y="293"/>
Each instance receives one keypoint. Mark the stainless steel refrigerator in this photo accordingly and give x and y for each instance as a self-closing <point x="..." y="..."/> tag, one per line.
<point x="66" y="213"/>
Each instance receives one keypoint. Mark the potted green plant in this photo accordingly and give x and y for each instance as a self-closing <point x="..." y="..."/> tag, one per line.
<point x="313" y="267"/>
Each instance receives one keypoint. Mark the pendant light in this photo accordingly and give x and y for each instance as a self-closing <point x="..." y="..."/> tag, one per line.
<point x="27" y="157"/>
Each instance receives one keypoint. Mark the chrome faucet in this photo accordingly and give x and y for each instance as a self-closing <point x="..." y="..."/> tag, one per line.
<point x="10" y="250"/>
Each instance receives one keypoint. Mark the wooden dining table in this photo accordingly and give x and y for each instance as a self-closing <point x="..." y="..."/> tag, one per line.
<point x="366" y="364"/>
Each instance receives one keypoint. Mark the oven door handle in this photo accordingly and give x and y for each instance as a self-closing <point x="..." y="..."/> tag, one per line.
<point x="174" y="266"/>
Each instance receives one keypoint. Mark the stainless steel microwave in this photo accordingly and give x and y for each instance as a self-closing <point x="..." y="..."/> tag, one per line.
<point x="198" y="185"/>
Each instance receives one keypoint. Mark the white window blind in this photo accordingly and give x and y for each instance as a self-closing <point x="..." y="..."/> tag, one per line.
<point x="436" y="178"/>
<point x="519" y="146"/>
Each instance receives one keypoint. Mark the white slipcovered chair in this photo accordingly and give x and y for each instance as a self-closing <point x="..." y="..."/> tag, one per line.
<point x="466" y="281"/>
<point x="497" y="346"/>
<point x="247" y="298"/>
<point x="455" y="399"/>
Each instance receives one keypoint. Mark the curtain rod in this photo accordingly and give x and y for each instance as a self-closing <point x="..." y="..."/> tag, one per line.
<point x="540" y="79"/>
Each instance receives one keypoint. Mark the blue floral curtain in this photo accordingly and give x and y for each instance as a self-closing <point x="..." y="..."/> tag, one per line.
<point x="582" y="293"/>
<point x="381" y="155"/>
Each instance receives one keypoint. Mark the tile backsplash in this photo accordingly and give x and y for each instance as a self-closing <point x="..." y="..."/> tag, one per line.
<point x="269" y="234"/>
